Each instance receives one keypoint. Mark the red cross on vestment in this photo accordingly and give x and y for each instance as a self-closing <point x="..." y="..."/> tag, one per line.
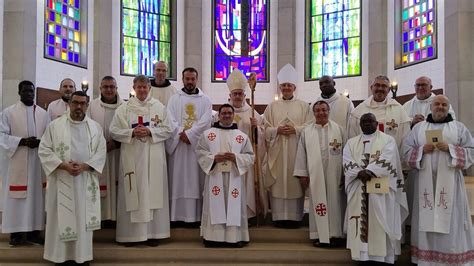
<point x="140" y="120"/>
<point x="216" y="190"/>
<point x="321" y="209"/>
<point x="235" y="193"/>
<point x="239" y="138"/>
<point x="211" y="136"/>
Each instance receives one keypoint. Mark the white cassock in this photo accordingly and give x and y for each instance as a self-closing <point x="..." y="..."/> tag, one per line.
<point x="191" y="113"/>
<point x="340" y="109"/>
<point x="287" y="197"/>
<point x="319" y="156"/>
<point x="23" y="198"/>
<point x="416" y="106"/>
<point x="444" y="234"/>
<point x="242" y="117"/>
<point x="103" y="113"/>
<point x="391" y="116"/>
<point x="382" y="226"/>
<point x="163" y="93"/>
<point x="142" y="203"/>
<point x="412" y="108"/>
<point x="72" y="202"/>
<point x="224" y="214"/>
<point x="57" y="108"/>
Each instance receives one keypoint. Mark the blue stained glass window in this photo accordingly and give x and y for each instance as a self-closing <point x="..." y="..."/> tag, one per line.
<point x="146" y="35"/>
<point x="333" y="38"/>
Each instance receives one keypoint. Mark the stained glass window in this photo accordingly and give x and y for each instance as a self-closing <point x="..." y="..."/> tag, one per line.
<point x="146" y="35"/>
<point x="333" y="38"/>
<point x="418" y="31"/>
<point x="63" y="30"/>
<point x="240" y="38"/>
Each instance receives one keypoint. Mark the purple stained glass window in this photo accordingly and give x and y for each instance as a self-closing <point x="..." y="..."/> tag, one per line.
<point x="62" y="31"/>
<point x="240" y="38"/>
<point x="417" y="27"/>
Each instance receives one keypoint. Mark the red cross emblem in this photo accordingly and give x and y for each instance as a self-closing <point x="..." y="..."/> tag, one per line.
<point x="235" y="193"/>
<point x="239" y="138"/>
<point x="320" y="209"/>
<point x="216" y="190"/>
<point x="211" y="136"/>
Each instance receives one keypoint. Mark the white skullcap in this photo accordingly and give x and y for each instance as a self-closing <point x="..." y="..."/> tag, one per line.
<point x="287" y="75"/>
<point x="237" y="80"/>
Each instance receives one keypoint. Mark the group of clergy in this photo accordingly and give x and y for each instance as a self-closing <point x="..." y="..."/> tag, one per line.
<point x="163" y="159"/>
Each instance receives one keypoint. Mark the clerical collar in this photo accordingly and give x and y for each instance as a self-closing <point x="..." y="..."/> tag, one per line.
<point x="447" y="119"/>
<point x="103" y="100"/>
<point x="326" y="96"/>
<point x="195" y="91"/>
<point x="66" y="100"/>
<point x="219" y="125"/>
<point x="165" y="84"/>
<point x="288" y="99"/>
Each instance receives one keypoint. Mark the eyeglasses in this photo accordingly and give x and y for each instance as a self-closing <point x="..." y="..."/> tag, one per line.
<point x="421" y="84"/>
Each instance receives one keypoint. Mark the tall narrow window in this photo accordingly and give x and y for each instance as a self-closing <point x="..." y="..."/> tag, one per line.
<point x="415" y="32"/>
<point x="146" y="35"/>
<point x="333" y="38"/>
<point x="240" y="38"/>
<point x="65" y="30"/>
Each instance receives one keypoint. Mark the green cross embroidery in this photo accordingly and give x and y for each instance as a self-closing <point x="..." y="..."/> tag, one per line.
<point x="93" y="189"/>
<point x="62" y="148"/>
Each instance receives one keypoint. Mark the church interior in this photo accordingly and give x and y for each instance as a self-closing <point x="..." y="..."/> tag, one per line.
<point x="45" y="41"/>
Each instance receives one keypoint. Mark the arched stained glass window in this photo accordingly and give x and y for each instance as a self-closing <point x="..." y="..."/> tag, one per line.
<point x="240" y="38"/>
<point x="415" y="32"/>
<point x="333" y="38"/>
<point x="146" y="36"/>
<point x="65" y="27"/>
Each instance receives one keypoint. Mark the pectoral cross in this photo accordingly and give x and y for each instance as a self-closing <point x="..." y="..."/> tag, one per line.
<point x="129" y="174"/>
<point x="442" y="199"/>
<point x="335" y="145"/>
<point x="392" y="124"/>
<point x="375" y="156"/>
<point x="156" y="120"/>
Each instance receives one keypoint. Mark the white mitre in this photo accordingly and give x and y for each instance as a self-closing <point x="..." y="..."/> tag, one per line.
<point x="287" y="74"/>
<point x="237" y="80"/>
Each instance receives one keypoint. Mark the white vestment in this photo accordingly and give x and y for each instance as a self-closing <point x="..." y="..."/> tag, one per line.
<point x="191" y="113"/>
<point x="242" y="117"/>
<point x="380" y="221"/>
<point x="103" y="113"/>
<point x="80" y="141"/>
<point x="22" y="214"/>
<point x="391" y="116"/>
<point x="319" y="157"/>
<point x="412" y="108"/>
<point x="57" y="108"/>
<point x="287" y="197"/>
<point x="340" y="109"/>
<point x="142" y="203"/>
<point x="224" y="215"/>
<point x="163" y="94"/>
<point x="441" y="229"/>
<point x="422" y="107"/>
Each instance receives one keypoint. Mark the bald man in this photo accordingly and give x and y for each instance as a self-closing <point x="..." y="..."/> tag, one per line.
<point x="161" y="88"/>
<point x="418" y="107"/>
<point x="439" y="149"/>
<point x="57" y="108"/>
